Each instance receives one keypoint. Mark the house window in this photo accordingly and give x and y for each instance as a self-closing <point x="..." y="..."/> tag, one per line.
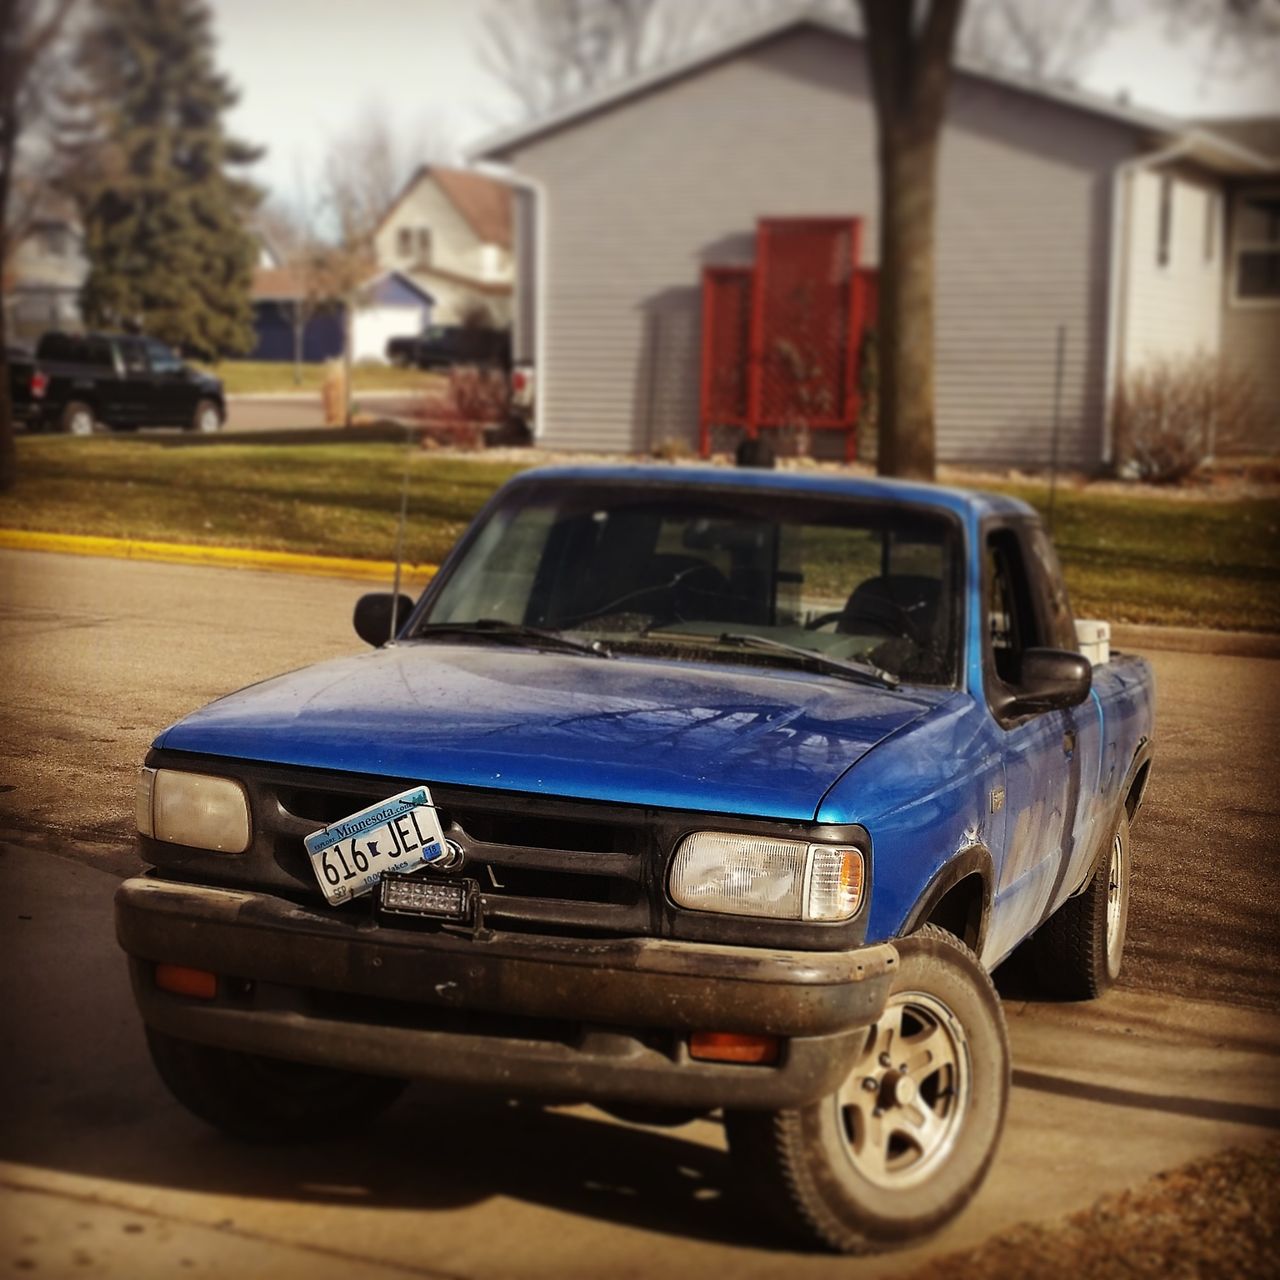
<point x="1164" y="228"/>
<point x="404" y="242"/>
<point x="1256" y="235"/>
<point x="1210" y="224"/>
<point x="424" y="244"/>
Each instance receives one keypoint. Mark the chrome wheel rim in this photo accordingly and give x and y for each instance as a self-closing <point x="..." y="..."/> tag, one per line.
<point x="81" y="423"/>
<point x="207" y="421"/>
<point x="901" y="1109"/>
<point x="1117" y="904"/>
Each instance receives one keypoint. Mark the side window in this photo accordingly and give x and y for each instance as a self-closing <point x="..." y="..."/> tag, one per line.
<point x="1059" y="624"/>
<point x="133" y="355"/>
<point x="162" y="359"/>
<point x="1012" y="626"/>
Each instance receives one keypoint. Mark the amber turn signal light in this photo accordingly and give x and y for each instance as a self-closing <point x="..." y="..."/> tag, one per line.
<point x="728" y="1046"/>
<point x="178" y="980"/>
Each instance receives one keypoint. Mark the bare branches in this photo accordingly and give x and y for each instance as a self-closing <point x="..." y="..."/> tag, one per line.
<point x="547" y="52"/>
<point x="1243" y="35"/>
<point x="1049" y="42"/>
<point x="29" y="31"/>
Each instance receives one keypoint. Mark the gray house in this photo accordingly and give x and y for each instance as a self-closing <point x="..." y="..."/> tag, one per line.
<point x="1147" y="238"/>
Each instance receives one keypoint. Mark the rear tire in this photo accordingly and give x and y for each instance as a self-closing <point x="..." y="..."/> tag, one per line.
<point x="1077" y="953"/>
<point x="905" y="1142"/>
<point x="207" y="417"/>
<point x="263" y="1100"/>
<point x="77" y="419"/>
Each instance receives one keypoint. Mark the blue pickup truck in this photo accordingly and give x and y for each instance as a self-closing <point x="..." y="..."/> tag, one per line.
<point x="678" y="790"/>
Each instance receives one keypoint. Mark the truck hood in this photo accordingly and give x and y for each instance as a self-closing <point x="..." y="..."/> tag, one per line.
<point x="715" y="737"/>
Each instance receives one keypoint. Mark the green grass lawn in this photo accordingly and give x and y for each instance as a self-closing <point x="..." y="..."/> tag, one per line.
<point x="327" y="499"/>
<point x="245" y="377"/>
<point x="1127" y="558"/>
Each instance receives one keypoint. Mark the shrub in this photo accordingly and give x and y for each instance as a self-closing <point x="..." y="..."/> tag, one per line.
<point x="1171" y="416"/>
<point x="474" y="398"/>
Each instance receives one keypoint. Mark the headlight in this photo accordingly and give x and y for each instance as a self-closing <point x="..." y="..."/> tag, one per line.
<point x="193" y="808"/>
<point x="757" y="876"/>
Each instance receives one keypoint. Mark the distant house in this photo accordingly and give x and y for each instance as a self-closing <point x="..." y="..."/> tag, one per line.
<point x="1147" y="238"/>
<point x="392" y="305"/>
<point x="288" y="326"/>
<point x="448" y="233"/>
<point x="45" y="275"/>
<point x="291" y="323"/>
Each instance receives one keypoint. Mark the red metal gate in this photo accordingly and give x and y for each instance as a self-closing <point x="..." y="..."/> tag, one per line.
<point x="790" y="360"/>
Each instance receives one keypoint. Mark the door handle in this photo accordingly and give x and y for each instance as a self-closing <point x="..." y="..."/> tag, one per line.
<point x="1069" y="742"/>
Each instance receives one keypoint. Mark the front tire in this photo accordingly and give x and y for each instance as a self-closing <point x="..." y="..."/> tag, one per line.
<point x="263" y="1100"/>
<point x="1077" y="953"/>
<point x="207" y="417"/>
<point x="904" y="1143"/>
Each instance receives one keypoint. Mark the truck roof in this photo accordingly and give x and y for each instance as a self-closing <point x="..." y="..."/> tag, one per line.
<point x="966" y="503"/>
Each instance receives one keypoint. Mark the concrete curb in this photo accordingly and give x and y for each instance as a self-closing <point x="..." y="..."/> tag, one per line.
<point x="1128" y="636"/>
<point x="220" y="557"/>
<point x="1226" y="644"/>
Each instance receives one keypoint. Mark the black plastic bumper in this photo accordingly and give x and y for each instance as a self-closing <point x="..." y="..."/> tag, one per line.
<point x="574" y="1018"/>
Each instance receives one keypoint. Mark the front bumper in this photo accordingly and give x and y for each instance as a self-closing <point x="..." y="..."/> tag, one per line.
<point x="577" y="1019"/>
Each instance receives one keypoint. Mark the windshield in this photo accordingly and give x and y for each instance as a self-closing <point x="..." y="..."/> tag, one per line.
<point x="688" y="573"/>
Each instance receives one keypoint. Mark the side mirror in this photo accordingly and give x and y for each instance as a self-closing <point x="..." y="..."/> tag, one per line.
<point x="381" y="614"/>
<point x="1050" y="680"/>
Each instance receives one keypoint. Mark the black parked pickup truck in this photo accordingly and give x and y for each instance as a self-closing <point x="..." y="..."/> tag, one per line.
<point x="443" y="346"/>
<point x="122" y="381"/>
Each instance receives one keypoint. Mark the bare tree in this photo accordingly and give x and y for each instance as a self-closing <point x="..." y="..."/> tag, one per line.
<point x="1047" y="41"/>
<point x="29" y="31"/>
<point x="1242" y="34"/>
<point x="364" y="172"/>
<point x="291" y="233"/>
<point x="547" y="52"/>
<point x="909" y="48"/>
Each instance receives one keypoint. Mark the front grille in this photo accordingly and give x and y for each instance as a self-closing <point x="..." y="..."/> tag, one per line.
<point x="581" y="871"/>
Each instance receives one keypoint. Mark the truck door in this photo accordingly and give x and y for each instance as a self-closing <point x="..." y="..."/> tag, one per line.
<point x="133" y="388"/>
<point x="173" y="394"/>
<point x="1043" y="752"/>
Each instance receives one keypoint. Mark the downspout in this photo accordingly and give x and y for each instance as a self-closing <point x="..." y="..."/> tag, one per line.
<point x="1118" y="282"/>
<point x="504" y="173"/>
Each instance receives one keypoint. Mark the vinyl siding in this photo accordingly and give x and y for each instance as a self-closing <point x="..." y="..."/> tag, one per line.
<point x="1251" y="342"/>
<point x="641" y="196"/>
<point x="1172" y="309"/>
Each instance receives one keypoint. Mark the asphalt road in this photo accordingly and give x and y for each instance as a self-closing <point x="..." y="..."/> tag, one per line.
<point x="102" y="1175"/>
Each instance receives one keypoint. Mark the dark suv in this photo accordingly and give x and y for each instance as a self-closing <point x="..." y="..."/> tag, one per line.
<point x="121" y="380"/>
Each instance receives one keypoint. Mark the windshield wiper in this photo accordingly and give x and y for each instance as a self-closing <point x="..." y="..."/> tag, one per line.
<point x="499" y="629"/>
<point x="864" y="671"/>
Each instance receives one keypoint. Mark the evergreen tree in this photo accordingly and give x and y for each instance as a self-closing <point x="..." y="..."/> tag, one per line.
<point x="153" y="173"/>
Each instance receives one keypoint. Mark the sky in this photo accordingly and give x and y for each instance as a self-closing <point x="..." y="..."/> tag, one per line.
<point x="310" y="70"/>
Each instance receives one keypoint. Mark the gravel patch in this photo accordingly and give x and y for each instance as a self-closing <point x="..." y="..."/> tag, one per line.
<point x="1216" y="1217"/>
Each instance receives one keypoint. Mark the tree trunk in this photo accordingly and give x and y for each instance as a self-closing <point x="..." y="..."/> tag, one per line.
<point x="299" y="328"/>
<point x="908" y="46"/>
<point x="8" y="450"/>
<point x="905" y="436"/>
<point x="348" y="339"/>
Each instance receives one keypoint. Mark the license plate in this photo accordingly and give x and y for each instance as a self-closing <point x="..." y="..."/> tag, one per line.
<point x="400" y="833"/>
